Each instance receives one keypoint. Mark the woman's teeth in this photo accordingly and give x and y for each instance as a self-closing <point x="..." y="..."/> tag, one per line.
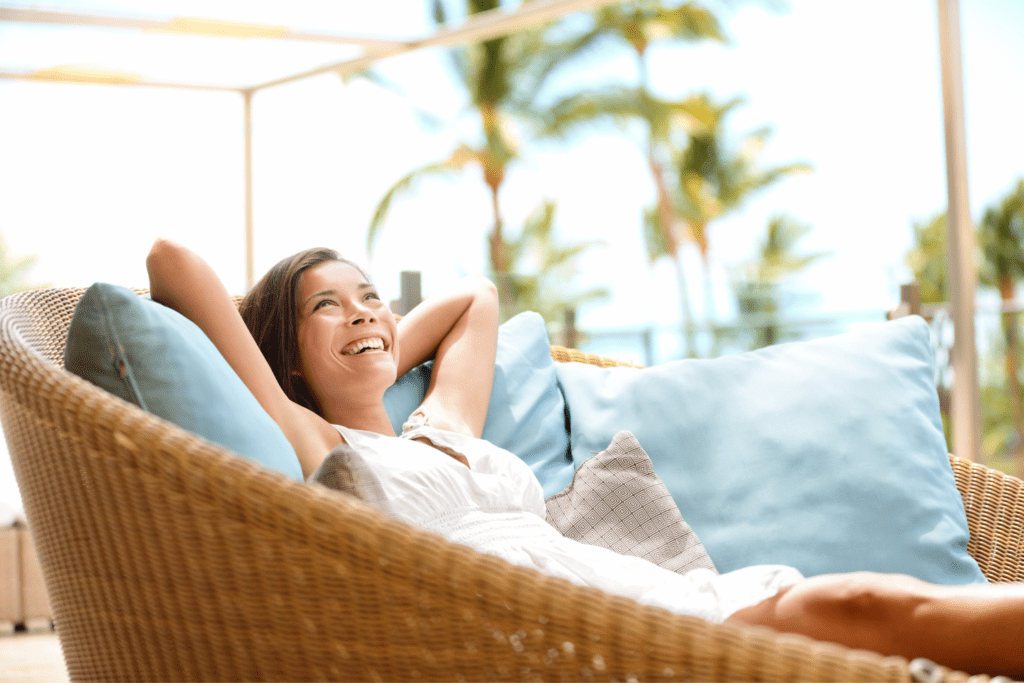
<point x="375" y="343"/>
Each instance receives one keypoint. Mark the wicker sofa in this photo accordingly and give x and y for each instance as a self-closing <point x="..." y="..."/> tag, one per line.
<point x="168" y="558"/>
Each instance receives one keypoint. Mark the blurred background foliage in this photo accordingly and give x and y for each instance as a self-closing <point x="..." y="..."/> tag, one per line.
<point x="14" y="271"/>
<point x="1000" y="259"/>
<point x="702" y="169"/>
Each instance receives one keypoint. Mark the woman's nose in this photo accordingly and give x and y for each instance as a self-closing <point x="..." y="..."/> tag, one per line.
<point x="361" y="314"/>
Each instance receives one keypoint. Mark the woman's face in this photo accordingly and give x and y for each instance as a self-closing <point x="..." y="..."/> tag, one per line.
<point x="348" y="339"/>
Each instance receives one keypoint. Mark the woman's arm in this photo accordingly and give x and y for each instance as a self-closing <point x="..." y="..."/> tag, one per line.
<point x="460" y="330"/>
<point x="180" y="279"/>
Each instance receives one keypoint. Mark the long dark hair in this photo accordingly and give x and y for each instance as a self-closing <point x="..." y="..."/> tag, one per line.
<point x="271" y="312"/>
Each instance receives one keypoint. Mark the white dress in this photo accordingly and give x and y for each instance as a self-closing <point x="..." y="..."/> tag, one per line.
<point x="496" y="506"/>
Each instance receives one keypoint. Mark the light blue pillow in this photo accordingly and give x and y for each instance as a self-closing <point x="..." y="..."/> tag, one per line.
<point x="159" y="360"/>
<point x="825" y="455"/>
<point x="526" y="414"/>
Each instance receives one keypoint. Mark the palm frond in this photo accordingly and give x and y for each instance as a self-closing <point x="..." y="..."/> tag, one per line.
<point x="691" y="22"/>
<point x="751" y="182"/>
<point x="541" y="221"/>
<point x="456" y="161"/>
<point x="554" y="55"/>
<point x="617" y="104"/>
<point x="700" y="113"/>
<point x="565" y="254"/>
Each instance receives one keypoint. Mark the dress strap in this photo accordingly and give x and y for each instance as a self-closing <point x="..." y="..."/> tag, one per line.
<point x="418" y="428"/>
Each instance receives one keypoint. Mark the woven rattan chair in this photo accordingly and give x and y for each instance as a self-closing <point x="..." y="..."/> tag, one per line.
<point x="168" y="558"/>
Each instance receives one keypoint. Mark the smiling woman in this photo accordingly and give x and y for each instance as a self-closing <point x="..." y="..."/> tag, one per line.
<point x="293" y="344"/>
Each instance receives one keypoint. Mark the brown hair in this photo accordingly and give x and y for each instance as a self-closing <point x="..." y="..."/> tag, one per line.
<point x="271" y="312"/>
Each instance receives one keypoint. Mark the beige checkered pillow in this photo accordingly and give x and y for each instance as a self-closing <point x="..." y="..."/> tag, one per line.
<point x="616" y="501"/>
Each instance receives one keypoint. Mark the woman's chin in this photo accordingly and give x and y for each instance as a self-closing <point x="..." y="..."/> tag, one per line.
<point x="376" y="362"/>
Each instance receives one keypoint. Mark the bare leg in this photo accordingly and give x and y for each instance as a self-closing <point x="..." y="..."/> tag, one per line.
<point x="978" y="628"/>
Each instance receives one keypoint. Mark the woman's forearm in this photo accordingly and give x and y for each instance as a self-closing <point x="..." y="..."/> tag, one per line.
<point x="423" y="330"/>
<point x="460" y="331"/>
<point x="180" y="279"/>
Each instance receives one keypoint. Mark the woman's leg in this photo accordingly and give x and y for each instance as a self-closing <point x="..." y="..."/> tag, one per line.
<point x="977" y="628"/>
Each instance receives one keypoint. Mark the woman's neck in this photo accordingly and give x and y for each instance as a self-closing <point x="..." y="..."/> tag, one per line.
<point x="371" y="418"/>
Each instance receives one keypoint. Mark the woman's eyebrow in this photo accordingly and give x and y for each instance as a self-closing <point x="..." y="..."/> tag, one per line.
<point x="321" y="293"/>
<point x="361" y="286"/>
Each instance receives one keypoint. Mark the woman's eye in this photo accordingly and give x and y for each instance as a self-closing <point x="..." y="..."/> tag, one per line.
<point x="372" y="295"/>
<point x="320" y="304"/>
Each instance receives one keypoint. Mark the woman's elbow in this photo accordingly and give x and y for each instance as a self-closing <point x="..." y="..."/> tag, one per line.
<point x="483" y="289"/>
<point x="163" y="254"/>
<point x="485" y="296"/>
<point x="167" y="265"/>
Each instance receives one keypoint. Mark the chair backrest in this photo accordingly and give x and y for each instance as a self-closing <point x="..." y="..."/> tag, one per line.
<point x="168" y="558"/>
<point x="40" y="318"/>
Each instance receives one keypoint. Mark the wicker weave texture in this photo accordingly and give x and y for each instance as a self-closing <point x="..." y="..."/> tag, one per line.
<point x="168" y="558"/>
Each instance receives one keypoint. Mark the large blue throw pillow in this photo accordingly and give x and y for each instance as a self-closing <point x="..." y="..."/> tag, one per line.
<point x="526" y="414"/>
<point x="825" y="455"/>
<point x="154" y="357"/>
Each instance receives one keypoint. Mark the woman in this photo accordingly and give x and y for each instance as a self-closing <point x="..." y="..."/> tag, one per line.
<point x="321" y="348"/>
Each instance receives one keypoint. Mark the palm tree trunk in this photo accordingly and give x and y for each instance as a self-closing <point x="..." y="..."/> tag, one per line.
<point x="689" y="335"/>
<point x="709" y="305"/>
<point x="666" y="212"/>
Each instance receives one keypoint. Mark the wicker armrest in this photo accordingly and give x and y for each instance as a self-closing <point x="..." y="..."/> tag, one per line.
<point x="995" y="513"/>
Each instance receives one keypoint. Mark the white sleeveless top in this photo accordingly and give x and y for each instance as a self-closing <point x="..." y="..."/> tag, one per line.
<point x="496" y="506"/>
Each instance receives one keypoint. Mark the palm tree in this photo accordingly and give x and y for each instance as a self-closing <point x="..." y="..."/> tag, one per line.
<point x="696" y="179"/>
<point x="638" y="24"/>
<point x="536" y="251"/>
<point x="489" y="71"/>
<point x="759" y="285"/>
<point x="1001" y="236"/>
<point x="927" y="262"/>
<point x="1001" y="242"/>
<point x="927" y="259"/>
<point x="13" y="273"/>
<point x="713" y="180"/>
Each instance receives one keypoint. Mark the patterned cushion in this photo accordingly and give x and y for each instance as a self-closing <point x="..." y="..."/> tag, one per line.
<point x="616" y="501"/>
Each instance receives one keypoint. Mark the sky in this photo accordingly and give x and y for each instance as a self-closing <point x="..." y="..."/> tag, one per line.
<point x="91" y="175"/>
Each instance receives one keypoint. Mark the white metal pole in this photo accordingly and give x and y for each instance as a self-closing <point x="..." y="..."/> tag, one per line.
<point x="960" y="241"/>
<point x="249" y="277"/>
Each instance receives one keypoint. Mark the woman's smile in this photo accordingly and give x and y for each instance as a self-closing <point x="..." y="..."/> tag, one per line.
<point x="361" y="346"/>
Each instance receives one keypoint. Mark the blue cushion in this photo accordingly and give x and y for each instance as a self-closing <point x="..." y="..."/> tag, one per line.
<point x="825" y="455"/>
<point x="526" y="414"/>
<point x="159" y="360"/>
